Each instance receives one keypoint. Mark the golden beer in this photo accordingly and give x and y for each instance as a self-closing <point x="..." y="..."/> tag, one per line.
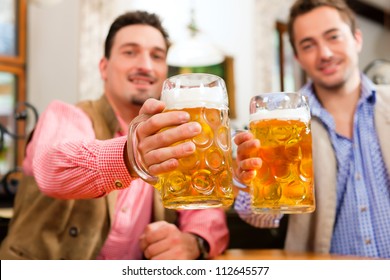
<point x="284" y="183"/>
<point x="203" y="179"/>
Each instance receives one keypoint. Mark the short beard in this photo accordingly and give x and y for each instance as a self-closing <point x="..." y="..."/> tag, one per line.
<point x="140" y="99"/>
<point x="135" y="100"/>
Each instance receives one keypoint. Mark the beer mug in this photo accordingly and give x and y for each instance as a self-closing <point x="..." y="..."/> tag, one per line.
<point x="204" y="179"/>
<point x="284" y="183"/>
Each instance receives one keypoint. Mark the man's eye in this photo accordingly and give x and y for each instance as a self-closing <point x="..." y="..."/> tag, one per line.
<point x="307" y="47"/>
<point x="158" y="56"/>
<point x="334" y="37"/>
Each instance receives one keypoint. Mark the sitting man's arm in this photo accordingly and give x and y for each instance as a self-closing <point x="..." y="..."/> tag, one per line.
<point x="66" y="159"/>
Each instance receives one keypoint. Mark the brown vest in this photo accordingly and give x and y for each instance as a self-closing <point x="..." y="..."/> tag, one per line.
<point x="46" y="228"/>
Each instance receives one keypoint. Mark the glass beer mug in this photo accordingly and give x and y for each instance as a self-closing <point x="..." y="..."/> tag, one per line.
<point x="204" y="179"/>
<point x="284" y="183"/>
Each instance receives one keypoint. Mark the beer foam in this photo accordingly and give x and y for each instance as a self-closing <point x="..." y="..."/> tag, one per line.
<point x="179" y="98"/>
<point x="301" y="114"/>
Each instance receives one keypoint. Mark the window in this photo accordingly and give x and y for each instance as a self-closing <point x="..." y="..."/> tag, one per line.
<point x="12" y="85"/>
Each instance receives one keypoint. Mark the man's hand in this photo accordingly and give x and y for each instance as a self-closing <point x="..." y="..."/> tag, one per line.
<point x="158" y="132"/>
<point x="247" y="145"/>
<point x="164" y="241"/>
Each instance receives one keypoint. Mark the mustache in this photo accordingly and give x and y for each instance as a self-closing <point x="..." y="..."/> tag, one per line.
<point x="142" y="75"/>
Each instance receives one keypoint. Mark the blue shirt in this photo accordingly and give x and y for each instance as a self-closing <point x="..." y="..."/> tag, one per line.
<point x="362" y="224"/>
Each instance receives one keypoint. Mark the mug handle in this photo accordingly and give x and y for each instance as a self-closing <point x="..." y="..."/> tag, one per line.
<point x="132" y="151"/>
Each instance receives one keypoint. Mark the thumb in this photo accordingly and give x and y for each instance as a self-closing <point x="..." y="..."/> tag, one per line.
<point x="152" y="106"/>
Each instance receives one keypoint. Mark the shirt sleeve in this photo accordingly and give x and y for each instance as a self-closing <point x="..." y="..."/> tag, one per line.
<point x="210" y="224"/>
<point x="242" y="205"/>
<point x="66" y="159"/>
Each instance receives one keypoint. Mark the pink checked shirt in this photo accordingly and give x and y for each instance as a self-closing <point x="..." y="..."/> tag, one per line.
<point x="69" y="163"/>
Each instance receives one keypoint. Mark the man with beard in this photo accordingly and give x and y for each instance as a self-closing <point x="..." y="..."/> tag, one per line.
<point x="350" y="129"/>
<point x="77" y="199"/>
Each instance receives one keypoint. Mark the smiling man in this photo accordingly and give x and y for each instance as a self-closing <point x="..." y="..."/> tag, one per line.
<point x="133" y="68"/>
<point x="350" y="128"/>
<point x="77" y="199"/>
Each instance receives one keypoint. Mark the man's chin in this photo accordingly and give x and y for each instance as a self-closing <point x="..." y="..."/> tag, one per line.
<point x="137" y="100"/>
<point x="332" y="85"/>
<point x="140" y="99"/>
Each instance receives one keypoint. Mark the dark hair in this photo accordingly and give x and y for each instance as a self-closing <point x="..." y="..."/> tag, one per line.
<point x="301" y="7"/>
<point x="130" y="18"/>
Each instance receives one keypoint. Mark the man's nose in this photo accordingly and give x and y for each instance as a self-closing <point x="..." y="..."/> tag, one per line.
<point x="325" y="51"/>
<point x="145" y="61"/>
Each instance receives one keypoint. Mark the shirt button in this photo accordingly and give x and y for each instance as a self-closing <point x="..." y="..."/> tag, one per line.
<point x="363" y="209"/>
<point x="358" y="176"/>
<point x="118" y="184"/>
<point x="124" y="209"/>
<point x="367" y="241"/>
<point x="73" y="231"/>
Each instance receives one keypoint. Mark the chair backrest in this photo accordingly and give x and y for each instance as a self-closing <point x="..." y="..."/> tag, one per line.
<point x="10" y="164"/>
<point x="378" y="71"/>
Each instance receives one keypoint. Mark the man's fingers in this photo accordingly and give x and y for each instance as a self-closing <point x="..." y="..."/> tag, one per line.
<point x="248" y="148"/>
<point x="152" y="106"/>
<point x="161" y="121"/>
<point x="156" y="231"/>
<point x="242" y="137"/>
<point x="169" y="137"/>
<point x="166" y="159"/>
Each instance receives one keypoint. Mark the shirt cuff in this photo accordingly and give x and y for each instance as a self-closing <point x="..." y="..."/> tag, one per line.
<point x="112" y="165"/>
<point x="242" y="205"/>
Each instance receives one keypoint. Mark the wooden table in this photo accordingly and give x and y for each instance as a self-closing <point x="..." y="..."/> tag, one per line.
<point x="277" y="254"/>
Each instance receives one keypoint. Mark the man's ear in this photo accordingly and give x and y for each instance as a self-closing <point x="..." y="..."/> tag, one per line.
<point x="358" y="39"/>
<point x="103" y="68"/>
<point x="297" y="59"/>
